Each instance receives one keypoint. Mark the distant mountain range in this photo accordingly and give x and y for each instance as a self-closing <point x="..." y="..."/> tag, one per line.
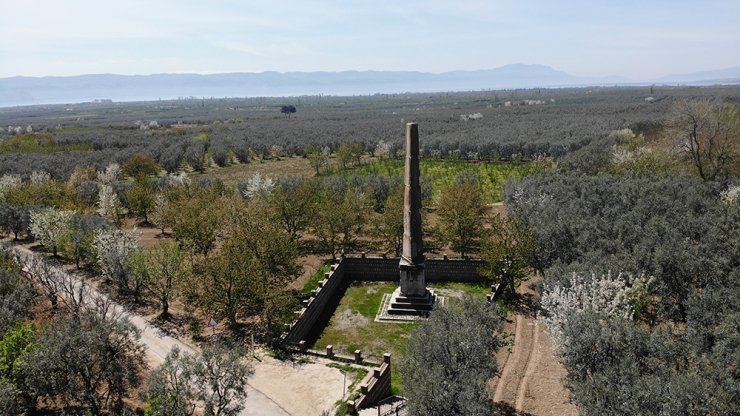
<point x="83" y="88"/>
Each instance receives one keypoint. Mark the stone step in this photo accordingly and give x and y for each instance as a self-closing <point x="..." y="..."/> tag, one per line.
<point x="414" y="300"/>
<point x="417" y="312"/>
<point x="411" y="307"/>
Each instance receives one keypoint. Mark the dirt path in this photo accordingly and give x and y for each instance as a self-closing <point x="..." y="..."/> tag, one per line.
<point x="531" y="378"/>
<point x="158" y="345"/>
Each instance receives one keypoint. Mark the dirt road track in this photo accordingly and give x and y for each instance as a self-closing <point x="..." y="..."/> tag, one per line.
<point x="531" y="378"/>
<point x="159" y="344"/>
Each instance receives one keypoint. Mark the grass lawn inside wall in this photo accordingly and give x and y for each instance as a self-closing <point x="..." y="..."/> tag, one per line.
<point x="353" y="327"/>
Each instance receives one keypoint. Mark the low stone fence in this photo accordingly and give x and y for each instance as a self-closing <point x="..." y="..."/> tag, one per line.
<point x="365" y="268"/>
<point x="374" y="388"/>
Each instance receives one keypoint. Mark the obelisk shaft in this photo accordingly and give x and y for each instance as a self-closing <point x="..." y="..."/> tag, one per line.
<point x="413" y="250"/>
<point x="412" y="258"/>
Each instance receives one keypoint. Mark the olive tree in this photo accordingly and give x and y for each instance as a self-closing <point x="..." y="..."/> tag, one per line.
<point x="450" y="358"/>
<point x="217" y="378"/>
<point x="170" y="390"/>
<point x="93" y="360"/>
<point x="221" y="377"/>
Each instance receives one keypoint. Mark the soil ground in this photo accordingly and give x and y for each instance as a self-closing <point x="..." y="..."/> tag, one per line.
<point x="531" y="378"/>
<point x="305" y="388"/>
<point x="288" y="166"/>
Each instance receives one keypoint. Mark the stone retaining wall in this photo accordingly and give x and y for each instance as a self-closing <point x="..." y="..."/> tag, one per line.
<point x="328" y="292"/>
<point x="437" y="270"/>
<point x="364" y="268"/>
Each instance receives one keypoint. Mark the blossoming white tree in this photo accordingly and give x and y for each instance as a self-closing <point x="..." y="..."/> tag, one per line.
<point x="604" y="294"/>
<point x="109" y="205"/>
<point x="257" y="186"/>
<point x="113" y="250"/>
<point x="50" y="225"/>
<point x="39" y="176"/>
<point x="111" y="174"/>
<point x="178" y="179"/>
<point x="8" y="182"/>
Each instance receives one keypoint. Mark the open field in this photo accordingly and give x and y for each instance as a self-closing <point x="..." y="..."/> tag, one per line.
<point x="232" y="174"/>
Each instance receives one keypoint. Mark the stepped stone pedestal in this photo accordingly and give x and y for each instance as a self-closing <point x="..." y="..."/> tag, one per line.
<point x="401" y="304"/>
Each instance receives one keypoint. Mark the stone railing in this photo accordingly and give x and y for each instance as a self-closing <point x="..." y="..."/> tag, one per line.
<point x="374" y="388"/>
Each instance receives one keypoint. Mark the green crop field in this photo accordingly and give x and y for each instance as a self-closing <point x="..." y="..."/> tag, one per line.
<point x="442" y="173"/>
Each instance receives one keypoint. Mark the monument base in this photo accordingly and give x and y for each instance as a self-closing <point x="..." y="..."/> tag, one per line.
<point x="398" y="307"/>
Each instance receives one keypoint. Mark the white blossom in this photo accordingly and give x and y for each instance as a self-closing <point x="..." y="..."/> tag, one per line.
<point x="256" y="186"/>
<point x="603" y="294"/>
<point x="178" y="179"/>
<point x="382" y="149"/>
<point x="39" y="176"/>
<point x="50" y="225"/>
<point x="112" y="251"/>
<point x="111" y="174"/>
<point x="8" y="182"/>
<point x="108" y="204"/>
<point x="621" y="155"/>
<point x="158" y="215"/>
<point x="731" y="195"/>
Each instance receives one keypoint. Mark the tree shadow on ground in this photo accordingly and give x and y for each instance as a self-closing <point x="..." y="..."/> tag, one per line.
<point x="526" y="304"/>
<point x="506" y="409"/>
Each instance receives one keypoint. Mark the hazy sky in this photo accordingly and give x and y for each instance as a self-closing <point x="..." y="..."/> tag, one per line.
<point x="639" y="39"/>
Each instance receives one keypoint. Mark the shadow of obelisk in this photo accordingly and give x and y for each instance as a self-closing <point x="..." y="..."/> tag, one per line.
<point x="412" y="298"/>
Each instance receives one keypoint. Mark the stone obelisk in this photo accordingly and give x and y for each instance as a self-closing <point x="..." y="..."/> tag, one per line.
<point x="412" y="259"/>
<point x="411" y="299"/>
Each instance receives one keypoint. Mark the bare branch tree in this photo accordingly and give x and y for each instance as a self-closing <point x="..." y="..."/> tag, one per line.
<point x="709" y="134"/>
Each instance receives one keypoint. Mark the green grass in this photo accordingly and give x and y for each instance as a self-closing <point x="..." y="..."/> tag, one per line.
<point x="39" y="143"/>
<point x="353" y="325"/>
<point x="358" y="373"/>
<point x="313" y="281"/>
<point x="491" y="175"/>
